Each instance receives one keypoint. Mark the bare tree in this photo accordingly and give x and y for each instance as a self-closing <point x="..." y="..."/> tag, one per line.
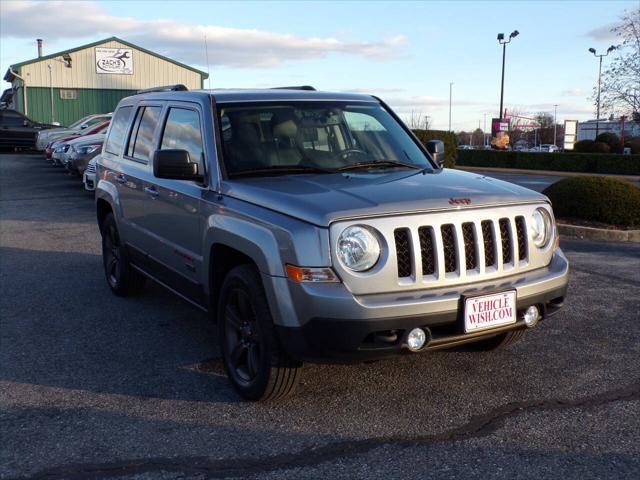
<point x="418" y="121"/>
<point x="621" y="80"/>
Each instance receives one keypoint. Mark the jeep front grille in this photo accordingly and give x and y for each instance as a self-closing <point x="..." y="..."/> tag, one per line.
<point x="467" y="248"/>
<point x="403" y="249"/>
<point x="427" y="251"/>
<point x="449" y="247"/>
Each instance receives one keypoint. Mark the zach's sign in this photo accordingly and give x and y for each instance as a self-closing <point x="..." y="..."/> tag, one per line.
<point x="114" y="60"/>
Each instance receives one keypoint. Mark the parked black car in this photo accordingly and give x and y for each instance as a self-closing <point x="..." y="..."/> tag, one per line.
<point x="18" y="130"/>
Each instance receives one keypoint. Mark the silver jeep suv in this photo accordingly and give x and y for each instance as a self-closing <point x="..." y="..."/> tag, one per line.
<point x="316" y="227"/>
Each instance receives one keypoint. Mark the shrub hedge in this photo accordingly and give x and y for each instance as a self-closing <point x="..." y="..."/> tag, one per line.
<point x="563" y="162"/>
<point x="599" y="199"/>
<point x="611" y="139"/>
<point x="450" y="143"/>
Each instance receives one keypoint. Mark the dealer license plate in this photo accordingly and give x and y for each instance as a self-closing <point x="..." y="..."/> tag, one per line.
<point x="489" y="311"/>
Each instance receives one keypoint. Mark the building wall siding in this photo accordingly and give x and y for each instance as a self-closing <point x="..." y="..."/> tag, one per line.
<point x="148" y="71"/>
<point x="88" y="101"/>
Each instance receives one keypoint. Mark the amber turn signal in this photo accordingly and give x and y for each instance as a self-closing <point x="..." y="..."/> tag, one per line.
<point x="305" y="274"/>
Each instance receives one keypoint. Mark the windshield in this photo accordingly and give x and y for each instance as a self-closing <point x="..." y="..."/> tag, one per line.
<point x="313" y="137"/>
<point x="76" y="125"/>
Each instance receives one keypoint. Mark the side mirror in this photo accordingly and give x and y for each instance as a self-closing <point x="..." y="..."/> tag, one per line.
<point x="174" y="164"/>
<point x="83" y="126"/>
<point x="436" y="149"/>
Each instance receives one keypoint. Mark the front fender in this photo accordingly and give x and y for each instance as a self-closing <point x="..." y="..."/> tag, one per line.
<point x="108" y="192"/>
<point x="252" y="239"/>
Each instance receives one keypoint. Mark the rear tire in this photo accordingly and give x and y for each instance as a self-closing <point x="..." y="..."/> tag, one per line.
<point x="123" y="279"/>
<point x="256" y="364"/>
<point x="498" y="342"/>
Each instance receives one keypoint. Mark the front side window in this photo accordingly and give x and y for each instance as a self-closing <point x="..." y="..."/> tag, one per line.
<point x="118" y="131"/>
<point x="141" y="141"/>
<point x="182" y="132"/>
<point x="261" y="138"/>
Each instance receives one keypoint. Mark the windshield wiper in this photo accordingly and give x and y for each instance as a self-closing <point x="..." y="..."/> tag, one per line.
<point x="281" y="170"/>
<point x="379" y="163"/>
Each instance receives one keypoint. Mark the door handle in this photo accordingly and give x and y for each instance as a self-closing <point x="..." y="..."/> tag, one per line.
<point x="121" y="178"/>
<point x="152" y="191"/>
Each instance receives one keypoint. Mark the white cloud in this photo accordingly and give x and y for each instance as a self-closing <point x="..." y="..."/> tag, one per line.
<point x="604" y="32"/>
<point x="575" y="92"/>
<point x="184" y="41"/>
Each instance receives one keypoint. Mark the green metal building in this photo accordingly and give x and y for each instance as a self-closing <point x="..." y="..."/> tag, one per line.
<point x="68" y="85"/>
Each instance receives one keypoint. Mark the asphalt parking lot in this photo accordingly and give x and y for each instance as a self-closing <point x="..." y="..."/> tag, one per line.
<point x="531" y="180"/>
<point x="94" y="386"/>
<point x="534" y="182"/>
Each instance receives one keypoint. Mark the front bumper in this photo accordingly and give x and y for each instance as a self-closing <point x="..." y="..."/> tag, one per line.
<point x="89" y="180"/>
<point x="326" y="322"/>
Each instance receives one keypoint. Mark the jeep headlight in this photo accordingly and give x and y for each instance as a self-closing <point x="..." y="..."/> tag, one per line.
<point x="358" y="248"/>
<point x="541" y="227"/>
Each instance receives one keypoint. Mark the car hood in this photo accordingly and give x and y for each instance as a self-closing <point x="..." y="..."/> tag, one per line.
<point x="87" y="139"/>
<point x="321" y="199"/>
<point x="61" y="132"/>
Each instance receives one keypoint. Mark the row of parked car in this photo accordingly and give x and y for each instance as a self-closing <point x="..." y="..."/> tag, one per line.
<point x="76" y="147"/>
<point x="538" y="148"/>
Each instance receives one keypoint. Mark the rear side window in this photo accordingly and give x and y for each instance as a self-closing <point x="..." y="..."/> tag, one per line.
<point x="118" y="131"/>
<point x="182" y="131"/>
<point x="141" y="141"/>
<point x="12" y="119"/>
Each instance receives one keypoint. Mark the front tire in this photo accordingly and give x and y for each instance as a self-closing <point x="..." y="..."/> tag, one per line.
<point x="121" y="277"/>
<point x="256" y="364"/>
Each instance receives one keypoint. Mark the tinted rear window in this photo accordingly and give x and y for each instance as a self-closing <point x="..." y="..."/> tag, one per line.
<point x="118" y="131"/>
<point x="141" y="141"/>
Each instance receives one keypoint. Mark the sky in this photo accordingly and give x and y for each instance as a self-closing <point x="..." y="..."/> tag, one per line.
<point x="407" y="53"/>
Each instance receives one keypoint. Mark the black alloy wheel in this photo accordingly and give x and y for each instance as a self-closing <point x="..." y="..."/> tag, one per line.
<point x="257" y="365"/>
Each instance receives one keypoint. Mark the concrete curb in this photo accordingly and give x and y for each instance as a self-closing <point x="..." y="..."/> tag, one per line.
<point x="604" y="234"/>
<point x="627" y="178"/>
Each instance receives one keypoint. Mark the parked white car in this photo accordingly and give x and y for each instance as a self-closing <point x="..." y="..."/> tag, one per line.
<point x="546" y="147"/>
<point x="89" y="175"/>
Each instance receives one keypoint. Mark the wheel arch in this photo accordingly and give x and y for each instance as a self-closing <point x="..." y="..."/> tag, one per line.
<point x="106" y="202"/>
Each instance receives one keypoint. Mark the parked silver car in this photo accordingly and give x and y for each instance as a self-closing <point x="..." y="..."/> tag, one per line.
<point x="46" y="136"/>
<point x="81" y="151"/>
<point x="316" y="227"/>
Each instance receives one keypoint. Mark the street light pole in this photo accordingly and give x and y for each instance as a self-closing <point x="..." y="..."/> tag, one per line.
<point x="504" y="42"/>
<point x="593" y="50"/>
<point x="484" y="131"/>
<point x="51" y="93"/>
<point x="450" y="94"/>
<point x="555" y="124"/>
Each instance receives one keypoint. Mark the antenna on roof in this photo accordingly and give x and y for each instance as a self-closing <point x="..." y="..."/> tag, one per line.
<point x="206" y="52"/>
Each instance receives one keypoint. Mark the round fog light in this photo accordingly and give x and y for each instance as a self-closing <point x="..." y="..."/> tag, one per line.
<point x="416" y="339"/>
<point x="531" y="316"/>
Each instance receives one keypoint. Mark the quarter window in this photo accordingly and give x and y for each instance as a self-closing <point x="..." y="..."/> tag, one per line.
<point x="12" y="119"/>
<point x="118" y="131"/>
<point x="141" y="141"/>
<point x="182" y="132"/>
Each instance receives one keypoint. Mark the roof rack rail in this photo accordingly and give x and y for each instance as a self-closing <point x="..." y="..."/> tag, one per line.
<point x="166" y="88"/>
<point x="300" y="87"/>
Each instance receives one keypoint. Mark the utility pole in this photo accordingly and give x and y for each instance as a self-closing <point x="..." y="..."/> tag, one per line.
<point x="450" y="95"/>
<point x="593" y="50"/>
